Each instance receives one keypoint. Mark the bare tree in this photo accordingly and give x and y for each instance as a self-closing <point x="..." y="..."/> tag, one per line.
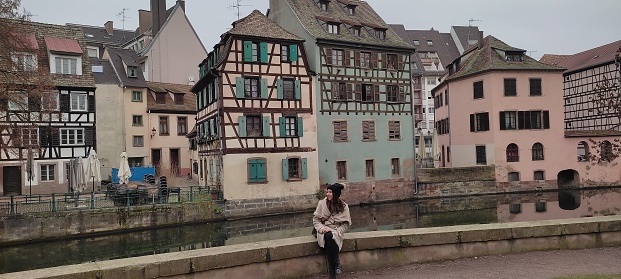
<point x="606" y="100"/>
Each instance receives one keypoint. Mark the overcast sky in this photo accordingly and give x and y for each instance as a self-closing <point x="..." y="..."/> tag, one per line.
<point x="540" y="26"/>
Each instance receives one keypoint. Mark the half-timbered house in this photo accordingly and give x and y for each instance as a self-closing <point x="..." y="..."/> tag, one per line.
<point x="363" y="91"/>
<point x="256" y="128"/>
<point x="39" y="139"/>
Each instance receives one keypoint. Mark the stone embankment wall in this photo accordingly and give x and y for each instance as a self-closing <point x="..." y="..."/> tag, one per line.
<point x="301" y="257"/>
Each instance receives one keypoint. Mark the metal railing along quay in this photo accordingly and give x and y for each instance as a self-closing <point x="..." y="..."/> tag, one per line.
<point x="114" y="196"/>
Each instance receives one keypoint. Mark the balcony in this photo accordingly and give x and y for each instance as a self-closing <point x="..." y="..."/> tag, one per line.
<point x="418" y="117"/>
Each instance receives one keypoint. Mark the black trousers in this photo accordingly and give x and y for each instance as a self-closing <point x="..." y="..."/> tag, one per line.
<point x="332" y="249"/>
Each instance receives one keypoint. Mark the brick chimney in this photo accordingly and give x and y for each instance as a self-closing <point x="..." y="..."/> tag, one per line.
<point x="182" y="4"/>
<point x="158" y="15"/>
<point x="109" y="27"/>
<point x="144" y="21"/>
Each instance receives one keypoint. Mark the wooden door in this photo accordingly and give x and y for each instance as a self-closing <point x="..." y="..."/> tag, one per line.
<point x="12" y="180"/>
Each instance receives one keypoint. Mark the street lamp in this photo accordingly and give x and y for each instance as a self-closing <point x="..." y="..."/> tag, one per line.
<point x="153" y="132"/>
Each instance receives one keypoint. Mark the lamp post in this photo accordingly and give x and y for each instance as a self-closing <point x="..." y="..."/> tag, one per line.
<point x="153" y="132"/>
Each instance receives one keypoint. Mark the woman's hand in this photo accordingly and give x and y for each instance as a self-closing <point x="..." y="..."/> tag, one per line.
<point x="325" y="230"/>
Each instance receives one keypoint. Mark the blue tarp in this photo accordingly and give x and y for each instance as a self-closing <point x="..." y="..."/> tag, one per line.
<point x="137" y="174"/>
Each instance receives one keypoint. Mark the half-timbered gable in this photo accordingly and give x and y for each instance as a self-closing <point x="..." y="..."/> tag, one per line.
<point x="363" y="91"/>
<point x="256" y="113"/>
<point x="42" y="130"/>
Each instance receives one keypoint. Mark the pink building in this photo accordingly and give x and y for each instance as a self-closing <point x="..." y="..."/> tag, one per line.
<point x="497" y="106"/>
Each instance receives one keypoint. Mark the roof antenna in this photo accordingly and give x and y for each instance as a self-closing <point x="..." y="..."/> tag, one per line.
<point x="123" y="18"/>
<point x="237" y="6"/>
<point x="470" y="21"/>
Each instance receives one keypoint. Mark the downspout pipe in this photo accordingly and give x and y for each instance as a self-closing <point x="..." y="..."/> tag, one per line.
<point x="414" y="137"/>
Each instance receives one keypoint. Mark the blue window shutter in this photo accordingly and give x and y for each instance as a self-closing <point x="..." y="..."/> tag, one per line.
<point x="241" y="120"/>
<point x="264" y="88"/>
<point x="263" y="52"/>
<point x="293" y="53"/>
<point x="247" y="51"/>
<point x="261" y="173"/>
<point x="252" y="171"/>
<point x="280" y="90"/>
<point x="300" y="127"/>
<point x="217" y="168"/>
<point x="266" y="126"/>
<point x="304" y="169"/>
<point x="285" y="169"/>
<point x="239" y="87"/>
<point x="210" y="169"/>
<point x="282" y="127"/>
<point x="298" y="89"/>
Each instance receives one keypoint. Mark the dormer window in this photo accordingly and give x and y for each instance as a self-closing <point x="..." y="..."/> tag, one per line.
<point x="66" y="66"/>
<point x="132" y="71"/>
<point x="323" y="5"/>
<point x="380" y="34"/>
<point x="351" y="9"/>
<point x="429" y="42"/>
<point x="514" y="57"/>
<point x="333" y="28"/>
<point x="160" y="98"/>
<point x="356" y="31"/>
<point x="65" y="56"/>
<point x="179" y="98"/>
<point x="416" y="42"/>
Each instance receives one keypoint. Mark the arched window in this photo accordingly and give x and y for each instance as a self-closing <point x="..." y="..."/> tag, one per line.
<point x="583" y="152"/>
<point x="537" y="152"/>
<point x="512" y="153"/>
<point x="606" y="151"/>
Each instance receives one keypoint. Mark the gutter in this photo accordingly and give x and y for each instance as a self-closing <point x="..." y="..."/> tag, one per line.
<point x="413" y="138"/>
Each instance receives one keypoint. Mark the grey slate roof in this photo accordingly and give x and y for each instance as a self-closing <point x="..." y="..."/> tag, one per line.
<point x="465" y="32"/>
<point x="258" y="25"/>
<point x="108" y="76"/>
<point x="486" y="58"/>
<point x="310" y="15"/>
<point x="588" y="58"/>
<point x="100" y="35"/>
<point x="443" y="43"/>
<point x="119" y="56"/>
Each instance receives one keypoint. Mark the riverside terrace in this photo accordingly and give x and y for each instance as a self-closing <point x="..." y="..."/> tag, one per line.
<point x="300" y="257"/>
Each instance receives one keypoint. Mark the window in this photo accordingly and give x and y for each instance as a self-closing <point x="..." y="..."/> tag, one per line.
<point x="79" y="102"/>
<point x="136" y="120"/>
<point x="340" y="131"/>
<point x="136" y="96"/>
<point x="132" y="71"/>
<point x="583" y="151"/>
<point x="47" y="172"/>
<point x="367" y="93"/>
<point x="50" y="101"/>
<point x="351" y="9"/>
<point x="478" y="90"/>
<point x="284" y="53"/>
<point x="533" y="120"/>
<point x="513" y="153"/>
<point x="340" y="93"/>
<point x="365" y="59"/>
<point x="514" y="57"/>
<point x="253" y="126"/>
<point x="537" y="152"/>
<point x="479" y="122"/>
<point x="24" y="62"/>
<point x="182" y="125"/>
<point x="356" y="31"/>
<point x="251" y="87"/>
<point x="333" y="28"/>
<point x="392" y="94"/>
<point x="337" y="57"/>
<point x="160" y="98"/>
<point x="293" y="168"/>
<point x="431" y="81"/>
<point x="481" y="155"/>
<point x="429" y="42"/>
<point x="395" y="166"/>
<point x="138" y="141"/>
<point x="535" y="86"/>
<point x="255" y="52"/>
<point x="67" y="66"/>
<point x="513" y="176"/>
<point x="539" y="175"/>
<point x="416" y="42"/>
<point x="391" y="61"/>
<point x="510" y="87"/>
<point x="92" y="51"/>
<point x="606" y="151"/>
<point x="323" y="5"/>
<point x="257" y="170"/>
<point x="289" y="126"/>
<point x="341" y="170"/>
<point x="164" y="126"/>
<point x="508" y="120"/>
<point x="30" y="136"/>
<point x="380" y="34"/>
<point x="368" y="130"/>
<point x="370" y="168"/>
<point x="179" y="98"/>
<point x="18" y="101"/>
<point x="72" y="136"/>
<point x="135" y="161"/>
<point x="394" y="130"/>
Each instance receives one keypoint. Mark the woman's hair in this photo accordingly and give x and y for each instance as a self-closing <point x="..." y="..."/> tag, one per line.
<point x="336" y="205"/>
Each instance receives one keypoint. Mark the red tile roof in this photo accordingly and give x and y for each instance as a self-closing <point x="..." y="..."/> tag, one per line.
<point x="31" y="41"/>
<point x="63" y="45"/>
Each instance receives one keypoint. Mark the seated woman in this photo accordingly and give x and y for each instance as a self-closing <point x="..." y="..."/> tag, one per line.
<point x="331" y="220"/>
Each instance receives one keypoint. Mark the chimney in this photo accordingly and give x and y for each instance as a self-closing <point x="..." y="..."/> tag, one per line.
<point x="481" y="39"/>
<point x="144" y="21"/>
<point x="182" y="4"/>
<point x="158" y="15"/>
<point x="109" y="27"/>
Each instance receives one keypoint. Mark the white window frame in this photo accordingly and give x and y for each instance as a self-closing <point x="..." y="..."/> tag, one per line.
<point x="30" y="136"/>
<point x="53" y="57"/>
<point x="132" y="71"/>
<point x="138" y="141"/>
<point x="89" y="49"/>
<point x="72" y="136"/>
<point x="332" y="28"/>
<point x="50" y="172"/>
<point x="81" y="102"/>
<point x="137" y="93"/>
<point x="20" y="63"/>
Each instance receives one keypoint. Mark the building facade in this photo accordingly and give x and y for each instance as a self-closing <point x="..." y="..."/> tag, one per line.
<point x="363" y="90"/>
<point x="256" y="122"/>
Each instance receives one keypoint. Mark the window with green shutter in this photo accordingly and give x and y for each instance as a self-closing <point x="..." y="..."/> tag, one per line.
<point x="290" y="126"/>
<point x="293" y="53"/>
<point x="257" y="171"/>
<point x="294" y="168"/>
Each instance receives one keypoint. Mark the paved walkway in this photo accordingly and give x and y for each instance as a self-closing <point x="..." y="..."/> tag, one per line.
<point x="532" y="265"/>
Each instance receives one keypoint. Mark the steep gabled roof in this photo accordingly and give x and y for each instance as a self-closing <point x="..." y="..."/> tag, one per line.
<point x="593" y="57"/>
<point x="443" y="43"/>
<point x="100" y="35"/>
<point x="258" y="25"/>
<point x="310" y="15"/>
<point x="119" y="58"/>
<point x="487" y="58"/>
<point x="189" y="99"/>
<point x="107" y="74"/>
<point x="465" y="33"/>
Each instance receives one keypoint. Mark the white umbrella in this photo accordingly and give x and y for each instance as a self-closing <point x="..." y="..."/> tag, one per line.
<point x="435" y="149"/>
<point x="421" y="148"/>
<point x="77" y="174"/>
<point x="93" y="166"/>
<point x="124" y="171"/>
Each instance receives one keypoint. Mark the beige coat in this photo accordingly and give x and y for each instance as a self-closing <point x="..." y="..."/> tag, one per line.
<point x="338" y="223"/>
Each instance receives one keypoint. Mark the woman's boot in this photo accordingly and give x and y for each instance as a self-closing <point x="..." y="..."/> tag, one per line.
<point x="338" y="268"/>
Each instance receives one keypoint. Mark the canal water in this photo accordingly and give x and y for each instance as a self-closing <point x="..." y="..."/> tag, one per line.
<point x="391" y="216"/>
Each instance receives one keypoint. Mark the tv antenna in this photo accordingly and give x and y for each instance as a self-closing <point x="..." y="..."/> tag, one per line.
<point x="470" y="21"/>
<point x="123" y="16"/>
<point x="237" y="6"/>
<point x="530" y="53"/>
